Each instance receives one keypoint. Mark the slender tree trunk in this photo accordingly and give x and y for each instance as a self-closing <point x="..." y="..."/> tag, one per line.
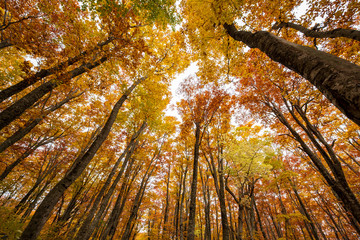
<point x="338" y="32"/>
<point x="44" y="210"/>
<point x="114" y="218"/>
<point x="35" y="200"/>
<point x="136" y="204"/>
<point x="343" y="194"/>
<point x="336" y="78"/>
<point x="206" y="196"/>
<point x="305" y="212"/>
<point x="260" y="222"/>
<point x="43" y="73"/>
<point x="192" y="208"/>
<point x="89" y="225"/>
<point x="167" y="199"/>
<point x="19" y="134"/>
<point x="19" y="107"/>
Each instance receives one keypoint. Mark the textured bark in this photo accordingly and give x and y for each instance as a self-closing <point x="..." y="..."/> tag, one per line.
<point x="45" y="208"/>
<point x="43" y="73"/>
<point x="336" y="78"/>
<point x="19" y="107"/>
<point x="192" y="208"/>
<point x="338" y="32"/>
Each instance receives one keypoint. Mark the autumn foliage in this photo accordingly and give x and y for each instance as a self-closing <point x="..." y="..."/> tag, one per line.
<point x="260" y="141"/>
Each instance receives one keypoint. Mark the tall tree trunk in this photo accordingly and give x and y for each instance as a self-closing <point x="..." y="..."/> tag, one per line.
<point x="44" y="210"/>
<point x="43" y="73"/>
<point x="206" y="196"/>
<point x="19" y="134"/>
<point x="89" y="225"/>
<point x="137" y="201"/>
<point x="304" y="211"/>
<point x="343" y="194"/>
<point x="192" y="208"/>
<point x="336" y="78"/>
<point x="167" y="200"/>
<point x="114" y="218"/>
<point x="19" y="107"/>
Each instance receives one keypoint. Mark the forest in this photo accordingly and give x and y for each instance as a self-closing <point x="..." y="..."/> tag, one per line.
<point x="180" y="119"/>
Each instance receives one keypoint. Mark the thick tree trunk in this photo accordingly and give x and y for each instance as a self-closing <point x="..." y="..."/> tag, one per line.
<point x="19" y="107"/>
<point x="192" y="208"/>
<point x="44" y="210"/>
<point x="336" y="78"/>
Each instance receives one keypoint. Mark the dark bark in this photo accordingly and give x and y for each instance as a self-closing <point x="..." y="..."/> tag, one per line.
<point x="178" y="221"/>
<point x="192" y="207"/>
<point x="19" y="107"/>
<point x="260" y="222"/>
<point x="27" y="153"/>
<point x="92" y="220"/>
<point x="304" y="211"/>
<point x="43" y="73"/>
<point x="341" y="192"/>
<point x="217" y="173"/>
<point x="32" y="123"/>
<point x="35" y="200"/>
<point x="44" y="210"/>
<point x="336" y="78"/>
<point x="123" y="194"/>
<point x="4" y="44"/>
<point x="167" y="199"/>
<point x="137" y="202"/>
<point x="315" y="33"/>
<point x="206" y="196"/>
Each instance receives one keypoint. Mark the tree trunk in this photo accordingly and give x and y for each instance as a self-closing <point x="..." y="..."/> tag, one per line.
<point x="343" y="194"/>
<point x="19" y="107"/>
<point x="336" y="78"/>
<point x="136" y="204"/>
<point x="44" y="210"/>
<point x="167" y="199"/>
<point x="43" y="73"/>
<point x="338" y="32"/>
<point x="89" y="225"/>
<point x="19" y="134"/>
<point x="192" y="208"/>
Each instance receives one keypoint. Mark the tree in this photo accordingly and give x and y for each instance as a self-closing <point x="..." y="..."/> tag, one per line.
<point x="336" y="78"/>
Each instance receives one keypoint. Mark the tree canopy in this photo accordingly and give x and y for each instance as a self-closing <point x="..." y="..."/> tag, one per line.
<point x="261" y="142"/>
